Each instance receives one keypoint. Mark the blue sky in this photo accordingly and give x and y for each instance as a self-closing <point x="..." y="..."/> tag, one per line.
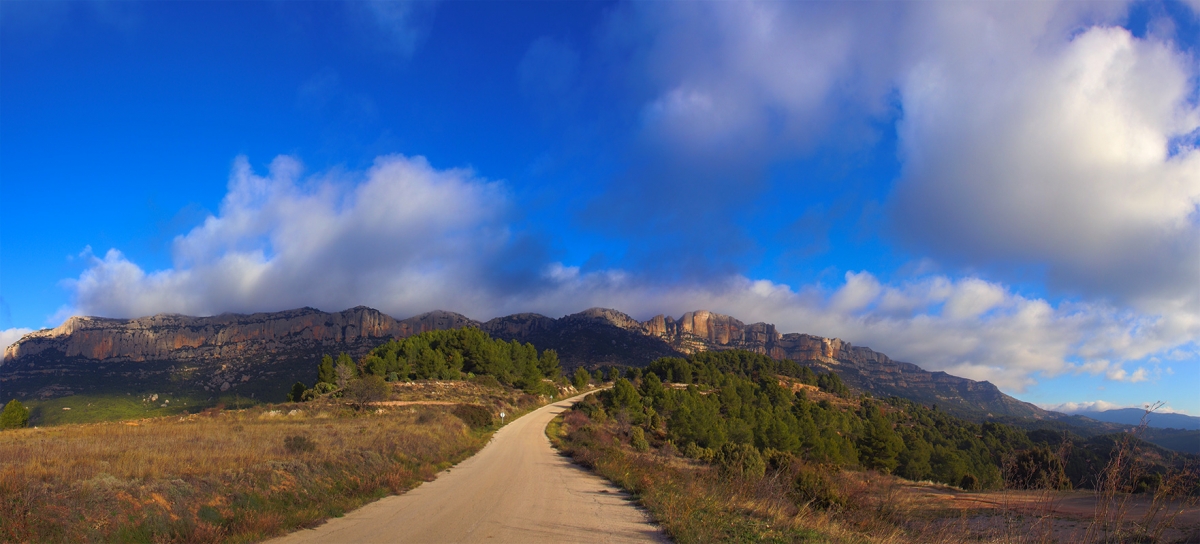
<point x="1005" y="191"/>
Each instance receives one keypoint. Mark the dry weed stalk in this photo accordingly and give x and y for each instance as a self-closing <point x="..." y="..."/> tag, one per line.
<point x="1115" y="487"/>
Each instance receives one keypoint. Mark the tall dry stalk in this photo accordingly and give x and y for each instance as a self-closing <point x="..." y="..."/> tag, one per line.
<point x="1115" y="487"/>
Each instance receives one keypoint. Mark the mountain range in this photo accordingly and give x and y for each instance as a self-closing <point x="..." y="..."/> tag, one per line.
<point x="262" y="354"/>
<point x="1133" y="416"/>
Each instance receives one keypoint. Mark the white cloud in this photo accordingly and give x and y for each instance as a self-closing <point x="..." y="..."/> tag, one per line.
<point x="1036" y="139"/>
<point x="1057" y="155"/>
<point x="1079" y="407"/>
<point x="9" y="336"/>
<point x="1103" y="406"/>
<point x="405" y="238"/>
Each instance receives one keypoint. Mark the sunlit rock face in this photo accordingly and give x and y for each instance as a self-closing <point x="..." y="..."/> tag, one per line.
<point x="177" y="337"/>
<point x="263" y="350"/>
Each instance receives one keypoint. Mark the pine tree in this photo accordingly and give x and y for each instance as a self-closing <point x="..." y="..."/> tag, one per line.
<point x="297" y="393"/>
<point x="325" y="370"/>
<point x="14" y="416"/>
<point x="581" y="379"/>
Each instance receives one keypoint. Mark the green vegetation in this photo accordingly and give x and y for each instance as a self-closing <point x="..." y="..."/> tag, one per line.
<point x="97" y="408"/>
<point x="736" y="446"/>
<point x="581" y="378"/>
<point x="449" y="355"/>
<point x="738" y="398"/>
<point x="14" y="416"/>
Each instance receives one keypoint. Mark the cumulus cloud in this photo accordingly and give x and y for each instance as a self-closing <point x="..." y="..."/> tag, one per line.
<point x="1034" y="139"/>
<point x="10" y="336"/>
<point x="1103" y="406"/>
<point x="1031" y="136"/>
<point x="406" y="237"/>
<point x="1058" y="158"/>
<point x="1087" y="406"/>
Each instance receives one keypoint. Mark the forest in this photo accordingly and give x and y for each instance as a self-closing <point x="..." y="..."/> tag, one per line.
<point x="717" y="401"/>
<point x="443" y="355"/>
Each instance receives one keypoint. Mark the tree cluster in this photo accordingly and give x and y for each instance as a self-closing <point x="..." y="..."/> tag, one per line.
<point x="438" y="355"/>
<point x="733" y="400"/>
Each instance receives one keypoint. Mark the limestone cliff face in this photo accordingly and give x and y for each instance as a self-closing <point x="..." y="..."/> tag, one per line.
<point x="861" y="367"/>
<point x="179" y="338"/>
<point x="221" y="352"/>
<point x="518" y="325"/>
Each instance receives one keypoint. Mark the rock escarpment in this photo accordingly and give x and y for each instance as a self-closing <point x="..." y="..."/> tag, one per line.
<point x="267" y="351"/>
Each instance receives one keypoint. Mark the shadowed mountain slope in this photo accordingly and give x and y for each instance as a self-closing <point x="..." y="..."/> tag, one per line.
<point x="263" y="353"/>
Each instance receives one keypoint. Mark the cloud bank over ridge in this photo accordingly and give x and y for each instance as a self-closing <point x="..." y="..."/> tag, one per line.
<point x="1038" y="143"/>
<point x="406" y="238"/>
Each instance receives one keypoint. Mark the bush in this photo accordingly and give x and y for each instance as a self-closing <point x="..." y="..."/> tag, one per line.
<point x="299" y="444"/>
<point x="637" y="439"/>
<point x="487" y="380"/>
<point x="1037" y="468"/>
<point x="778" y="461"/>
<point x="297" y="394"/>
<point x="581" y="379"/>
<point x="968" y="482"/>
<point x="540" y="388"/>
<point x="473" y="415"/>
<point x="740" y="461"/>
<point x="811" y="488"/>
<point x="14" y="416"/>
<point x="365" y="390"/>
<point x="696" y="452"/>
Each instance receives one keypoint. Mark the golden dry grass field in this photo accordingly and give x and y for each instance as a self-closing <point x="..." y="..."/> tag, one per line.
<point x="226" y="475"/>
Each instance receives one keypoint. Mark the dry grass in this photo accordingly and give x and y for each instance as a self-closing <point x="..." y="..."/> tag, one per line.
<point x="217" y="476"/>
<point x="695" y="503"/>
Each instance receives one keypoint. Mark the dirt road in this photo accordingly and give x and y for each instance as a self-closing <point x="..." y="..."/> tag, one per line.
<point x="517" y="489"/>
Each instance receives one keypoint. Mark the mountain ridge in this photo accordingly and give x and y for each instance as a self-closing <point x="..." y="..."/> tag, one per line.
<point x="226" y="351"/>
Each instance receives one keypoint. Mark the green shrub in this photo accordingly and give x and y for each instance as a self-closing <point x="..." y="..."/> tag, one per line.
<point x="487" y="380"/>
<point x="968" y="482"/>
<point x="14" y="416"/>
<point x="694" y="451"/>
<point x="811" y="488"/>
<point x="297" y="394"/>
<point x="637" y="439"/>
<point x="365" y="390"/>
<point x="740" y="461"/>
<point x="473" y="415"/>
<point x="779" y="461"/>
<point x="581" y="379"/>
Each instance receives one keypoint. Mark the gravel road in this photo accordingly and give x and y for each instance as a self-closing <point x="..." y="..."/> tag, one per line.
<point x="516" y="489"/>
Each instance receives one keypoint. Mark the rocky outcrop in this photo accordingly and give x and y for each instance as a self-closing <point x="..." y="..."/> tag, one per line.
<point x="231" y="349"/>
<point x="168" y="337"/>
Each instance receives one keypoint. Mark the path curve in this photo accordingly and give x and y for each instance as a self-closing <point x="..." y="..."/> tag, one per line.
<point x="516" y="489"/>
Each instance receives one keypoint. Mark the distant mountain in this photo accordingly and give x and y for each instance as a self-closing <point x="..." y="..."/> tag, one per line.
<point x="1133" y="416"/>
<point x="262" y="354"/>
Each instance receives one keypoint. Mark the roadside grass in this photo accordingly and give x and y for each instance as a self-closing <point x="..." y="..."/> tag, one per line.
<point x="690" y="502"/>
<point x="797" y="501"/>
<point x="223" y="475"/>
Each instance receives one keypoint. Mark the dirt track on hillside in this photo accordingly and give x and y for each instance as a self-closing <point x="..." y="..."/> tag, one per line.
<point x="517" y="489"/>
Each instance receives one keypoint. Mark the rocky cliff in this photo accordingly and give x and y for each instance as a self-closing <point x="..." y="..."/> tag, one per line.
<point x="267" y="351"/>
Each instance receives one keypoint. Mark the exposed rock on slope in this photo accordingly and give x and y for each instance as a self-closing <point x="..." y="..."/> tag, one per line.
<point x="268" y="351"/>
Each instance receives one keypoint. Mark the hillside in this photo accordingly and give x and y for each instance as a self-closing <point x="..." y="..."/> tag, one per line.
<point x="260" y="355"/>
<point x="1158" y="420"/>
